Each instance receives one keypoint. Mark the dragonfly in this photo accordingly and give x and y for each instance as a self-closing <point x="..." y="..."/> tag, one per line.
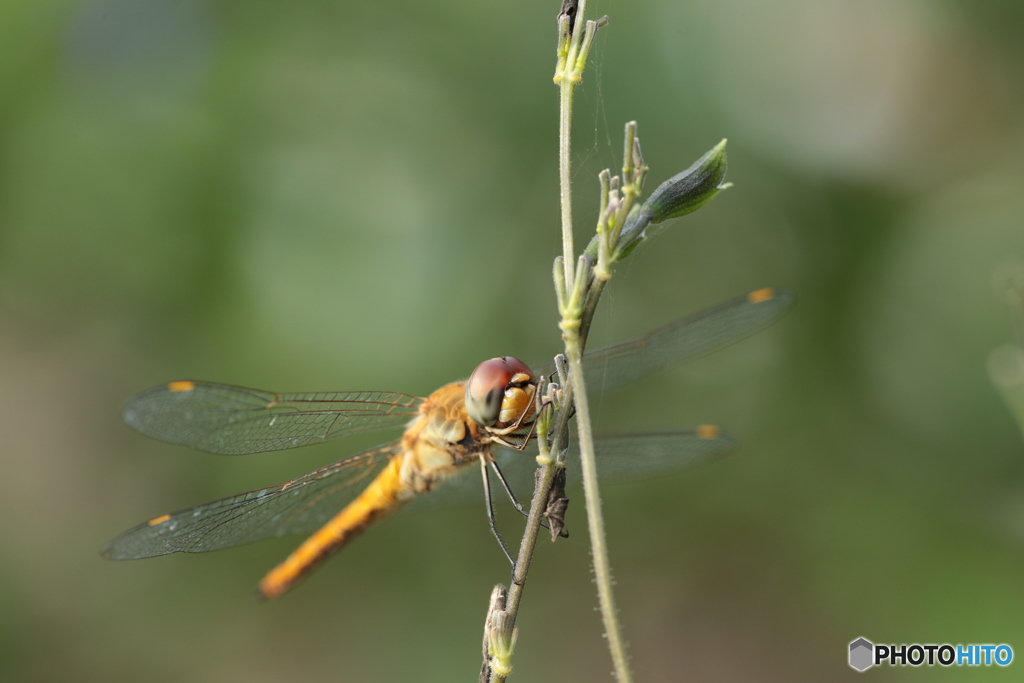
<point x="474" y="421"/>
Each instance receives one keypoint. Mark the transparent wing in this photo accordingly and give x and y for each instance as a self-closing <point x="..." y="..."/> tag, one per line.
<point x="299" y="506"/>
<point x="303" y="505"/>
<point x="219" y="418"/>
<point x="636" y="456"/>
<point x="620" y="457"/>
<point x="687" y="338"/>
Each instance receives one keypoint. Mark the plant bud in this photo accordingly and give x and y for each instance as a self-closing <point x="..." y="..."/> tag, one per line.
<point x="688" y="191"/>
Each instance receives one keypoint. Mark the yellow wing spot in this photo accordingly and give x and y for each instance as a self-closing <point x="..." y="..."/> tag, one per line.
<point x="183" y="385"/>
<point x="759" y="295"/>
<point x="158" y="520"/>
<point x="708" y="432"/>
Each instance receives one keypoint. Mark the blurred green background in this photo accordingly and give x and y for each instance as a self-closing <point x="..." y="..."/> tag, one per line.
<point x="359" y="195"/>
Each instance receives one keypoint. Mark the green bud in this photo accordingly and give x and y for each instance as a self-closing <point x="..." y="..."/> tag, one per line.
<point x="689" y="190"/>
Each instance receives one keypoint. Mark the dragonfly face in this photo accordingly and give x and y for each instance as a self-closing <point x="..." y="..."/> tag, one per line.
<point x="501" y="396"/>
<point x="452" y="428"/>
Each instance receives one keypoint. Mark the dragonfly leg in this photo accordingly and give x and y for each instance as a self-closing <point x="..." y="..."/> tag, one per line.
<point x="515" y="502"/>
<point x="490" y="510"/>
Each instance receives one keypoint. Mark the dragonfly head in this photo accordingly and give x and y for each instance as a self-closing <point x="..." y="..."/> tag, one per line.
<point x="500" y="393"/>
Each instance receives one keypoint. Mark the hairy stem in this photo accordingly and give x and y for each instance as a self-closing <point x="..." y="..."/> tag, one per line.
<point x="595" y="518"/>
<point x="573" y="322"/>
<point x="538" y="504"/>
<point x="564" y="172"/>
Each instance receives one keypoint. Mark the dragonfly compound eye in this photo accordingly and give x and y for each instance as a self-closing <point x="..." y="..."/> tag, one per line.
<point x="485" y="390"/>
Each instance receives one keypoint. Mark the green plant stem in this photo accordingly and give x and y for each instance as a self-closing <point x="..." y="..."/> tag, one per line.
<point x="566" y="88"/>
<point x="538" y="505"/>
<point x="526" y="548"/>
<point x="589" y="308"/>
<point x="572" y="323"/>
<point x="595" y="518"/>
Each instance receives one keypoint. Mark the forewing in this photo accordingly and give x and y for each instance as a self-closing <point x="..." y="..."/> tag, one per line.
<point x="299" y="506"/>
<point x="219" y="418"/>
<point x="684" y="339"/>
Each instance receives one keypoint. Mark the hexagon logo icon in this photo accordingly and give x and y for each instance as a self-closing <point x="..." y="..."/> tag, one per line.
<point x="862" y="653"/>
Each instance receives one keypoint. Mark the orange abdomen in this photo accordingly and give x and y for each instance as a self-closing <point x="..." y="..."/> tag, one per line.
<point x="381" y="497"/>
